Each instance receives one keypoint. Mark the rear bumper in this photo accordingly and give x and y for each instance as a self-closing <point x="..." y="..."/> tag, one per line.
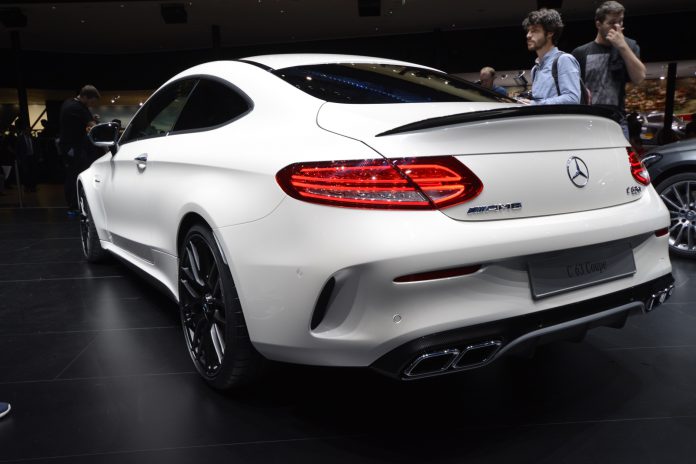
<point x="479" y="345"/>
<point x="283" y="266"/>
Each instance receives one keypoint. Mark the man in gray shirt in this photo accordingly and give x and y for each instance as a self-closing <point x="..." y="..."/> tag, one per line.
<point x="610" y="60"/>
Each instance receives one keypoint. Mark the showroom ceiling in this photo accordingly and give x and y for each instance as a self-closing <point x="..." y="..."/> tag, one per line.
<point x="128" y="26"/>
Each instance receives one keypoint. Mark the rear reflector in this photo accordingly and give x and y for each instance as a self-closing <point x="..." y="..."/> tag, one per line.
<point x="434" y="275"/>
<point x="638" y="169"/>
<point x="409" y="183"/>
<point x="662" y="232"/>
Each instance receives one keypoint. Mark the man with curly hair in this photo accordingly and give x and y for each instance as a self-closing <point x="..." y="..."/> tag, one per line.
<point x="556" y="75"/>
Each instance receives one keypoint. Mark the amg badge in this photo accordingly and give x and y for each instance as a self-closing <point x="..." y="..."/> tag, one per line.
<point x="495" y="208"/>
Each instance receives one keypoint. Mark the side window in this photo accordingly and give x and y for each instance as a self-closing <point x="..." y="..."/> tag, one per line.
<point x="211" y="104"/>
<point x="159" y="115"/>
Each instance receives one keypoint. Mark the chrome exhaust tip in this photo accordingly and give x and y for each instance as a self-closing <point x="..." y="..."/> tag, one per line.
<point x="657" y="298"/>
<point x="477" y="355"/>
<point x="431" y="363"/>
<point x="453" y="359"/>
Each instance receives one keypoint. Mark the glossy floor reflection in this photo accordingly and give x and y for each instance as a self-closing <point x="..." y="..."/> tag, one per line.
<point x="93" y="362"/>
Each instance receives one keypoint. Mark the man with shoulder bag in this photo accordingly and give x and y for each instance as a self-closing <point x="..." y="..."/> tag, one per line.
<point x="556" y="75"/>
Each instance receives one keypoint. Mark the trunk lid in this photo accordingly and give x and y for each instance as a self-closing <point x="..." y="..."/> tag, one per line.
<point x="525" y="156"/>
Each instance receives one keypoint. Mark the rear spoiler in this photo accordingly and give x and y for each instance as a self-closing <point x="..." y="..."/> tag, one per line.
<point x="505" y="113"/>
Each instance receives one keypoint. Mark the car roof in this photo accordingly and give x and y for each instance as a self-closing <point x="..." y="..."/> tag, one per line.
<point x="288" y="60"/>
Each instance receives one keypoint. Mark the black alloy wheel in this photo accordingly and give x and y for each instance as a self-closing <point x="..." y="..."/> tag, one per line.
<point x="211" y="314"/>
<point x="679" y="195"/>
<point x="91" y="247"/>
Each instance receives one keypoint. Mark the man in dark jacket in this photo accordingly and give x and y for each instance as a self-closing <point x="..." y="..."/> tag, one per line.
<point x="26" y="155"/>
<point x="75" y="121"/>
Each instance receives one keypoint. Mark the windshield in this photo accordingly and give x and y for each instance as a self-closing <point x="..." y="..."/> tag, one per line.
<point x="368" y="83"/>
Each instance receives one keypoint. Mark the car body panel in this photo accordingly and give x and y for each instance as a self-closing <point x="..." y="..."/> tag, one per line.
<point x="674" y="157"/>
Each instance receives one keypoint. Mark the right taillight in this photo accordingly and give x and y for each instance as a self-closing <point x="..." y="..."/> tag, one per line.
<point x="408" y="183"/>
<point x="638" y="169"/>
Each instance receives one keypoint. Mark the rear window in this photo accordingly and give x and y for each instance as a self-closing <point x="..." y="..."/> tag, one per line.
<point x="363" y="83"/>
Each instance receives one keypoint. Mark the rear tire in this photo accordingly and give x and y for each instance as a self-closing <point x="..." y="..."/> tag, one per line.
<point x="91" y="246"/>
<point x="214" y="328"/>
<point x="679" y="194"/>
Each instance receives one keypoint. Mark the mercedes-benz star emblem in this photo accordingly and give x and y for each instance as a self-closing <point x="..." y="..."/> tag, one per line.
<point x="578" y="172"/>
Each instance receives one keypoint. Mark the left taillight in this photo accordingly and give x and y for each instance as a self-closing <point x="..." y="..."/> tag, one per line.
<point x="638" y="169"/>
<point x="408" y="183"/>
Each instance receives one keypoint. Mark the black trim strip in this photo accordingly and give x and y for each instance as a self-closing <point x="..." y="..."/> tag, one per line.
<point x="505" y="113"/>
<point x="258" y="65"/>
<point x="154" y="282"/>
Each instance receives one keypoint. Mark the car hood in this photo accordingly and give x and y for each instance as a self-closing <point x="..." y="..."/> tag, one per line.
<point x="682" y="145"/>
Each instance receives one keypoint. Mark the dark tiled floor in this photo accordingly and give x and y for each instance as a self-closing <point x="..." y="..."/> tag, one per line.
<point x="94" y="365"/>
<point x="46" y="196"/>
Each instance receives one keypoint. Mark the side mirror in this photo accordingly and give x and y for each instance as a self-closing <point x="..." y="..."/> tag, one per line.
<point x="105" y="135"/>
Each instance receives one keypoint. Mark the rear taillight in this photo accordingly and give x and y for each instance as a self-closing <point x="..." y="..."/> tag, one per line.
<point x="638" y="169"/>
<point x="409" y="183"/>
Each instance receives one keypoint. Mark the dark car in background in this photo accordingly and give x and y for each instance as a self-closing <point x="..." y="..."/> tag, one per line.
<point x="672" y="169"/>
<point x="653" y="122"/>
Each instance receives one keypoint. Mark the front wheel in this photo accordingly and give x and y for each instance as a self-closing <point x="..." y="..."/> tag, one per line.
<point x="91" y="247"/>
<point x="679" y="194"/>
<point x="211" y="315"/>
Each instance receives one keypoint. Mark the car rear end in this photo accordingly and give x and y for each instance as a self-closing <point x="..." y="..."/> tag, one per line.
<point x="464" y="227"/>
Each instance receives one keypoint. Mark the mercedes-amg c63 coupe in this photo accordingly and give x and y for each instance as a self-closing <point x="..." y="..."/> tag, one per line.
<point x="353" y="211"/>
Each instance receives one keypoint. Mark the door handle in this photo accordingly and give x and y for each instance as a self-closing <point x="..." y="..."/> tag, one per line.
<point x="141" y="160"/>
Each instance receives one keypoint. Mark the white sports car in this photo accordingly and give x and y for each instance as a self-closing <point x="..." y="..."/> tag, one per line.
<point x="353" y="211"/>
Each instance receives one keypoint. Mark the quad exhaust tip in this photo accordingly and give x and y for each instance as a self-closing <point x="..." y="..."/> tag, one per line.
<point x="453" y="359"/>
<point x="657" y="298"/>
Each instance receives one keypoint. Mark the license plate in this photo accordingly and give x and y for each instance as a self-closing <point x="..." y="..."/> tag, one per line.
<point x="560" y="272"/>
